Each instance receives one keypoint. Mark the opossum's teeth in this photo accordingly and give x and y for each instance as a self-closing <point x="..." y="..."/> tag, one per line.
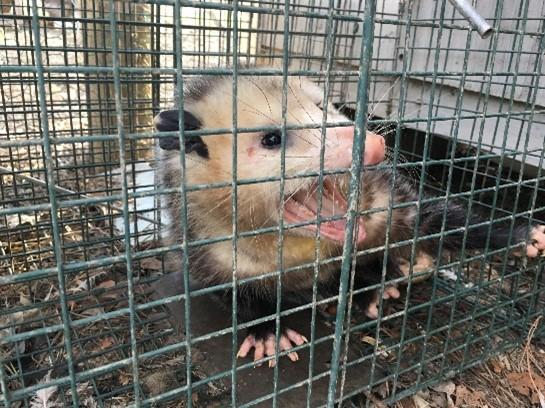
<point x="303" y="206"/>
<point x="537" y="241"/>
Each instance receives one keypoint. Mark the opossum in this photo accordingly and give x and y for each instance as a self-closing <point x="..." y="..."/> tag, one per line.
<point x="207" y="105"/>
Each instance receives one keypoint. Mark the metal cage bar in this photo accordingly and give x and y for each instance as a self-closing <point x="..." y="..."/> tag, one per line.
<point x="82" y="262"/>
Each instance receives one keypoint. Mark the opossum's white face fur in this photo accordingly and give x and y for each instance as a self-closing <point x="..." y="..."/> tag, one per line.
<point x="259" y="104"/>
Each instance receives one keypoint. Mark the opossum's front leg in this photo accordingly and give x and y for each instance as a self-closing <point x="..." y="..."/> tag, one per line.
<point x="370" y="273"/>
<point x="261" y="337"/>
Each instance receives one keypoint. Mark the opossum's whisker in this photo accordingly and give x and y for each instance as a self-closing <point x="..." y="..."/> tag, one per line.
<point x="263" y="93"/>
<point x="298" y="157"/>
<point x="220" y="203"/>
<point x="380" y="129"/>
<point x="260" y="113"/>
<point x="403" y="159"/>
<point x="203" y="163"/>
<point x="312" y="121"/>
<point x="300" y="105"/>
<point x="407" y="114"/>
<point x="381" y="99"/>
<point x="252" y="108"/>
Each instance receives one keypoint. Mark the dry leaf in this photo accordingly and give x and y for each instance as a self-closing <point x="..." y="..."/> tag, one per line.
<point x="107" y="284"/>
<point x="106" y="343"/>
<point x="465" y="396"/>
<point x="497" y="366"/>
<point x="505" y="362"/>
<point x="42" y="397"/>
<point x="522" y="383"/>
<point x="447" y="387"/>
<point x="407" y="403"/>
<point x="125" y="378"/>
<point x="541" y="398"/>
<point x="369" y="340"/>
<point x="420" y="402"/>
<point x="93" y="311"/>
<point x="80" y="286"/>
<point x="152" y="264"/>
<point x="15" y="220"/>
<point x="24" y="300"/>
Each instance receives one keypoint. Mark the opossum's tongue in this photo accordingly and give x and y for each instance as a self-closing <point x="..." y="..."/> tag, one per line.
<point x="303" y="206"/>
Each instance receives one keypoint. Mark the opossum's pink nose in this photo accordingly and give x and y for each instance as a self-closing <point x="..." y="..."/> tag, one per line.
<point x="375" y="149"/>
<point x="343" y="137"/>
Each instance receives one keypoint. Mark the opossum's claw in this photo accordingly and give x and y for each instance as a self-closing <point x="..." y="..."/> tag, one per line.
<point x="267" y="346"/>
<point x="537" y="241"/>
<point x="246" y="346"/>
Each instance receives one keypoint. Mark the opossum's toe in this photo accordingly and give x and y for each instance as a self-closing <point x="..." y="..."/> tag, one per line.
<point x="391" y="292"/>
<point x="295" y="337"/>
<point x="372" y="310"/>
<point x="537" y="241"/>
<point x="422" y="263"/>
<point x="246" y="346"/>
<point x="270" y="348"/>
<point x="266" y="347"/>
<point x="284" y="343"/>
<point x="259" y="352"/>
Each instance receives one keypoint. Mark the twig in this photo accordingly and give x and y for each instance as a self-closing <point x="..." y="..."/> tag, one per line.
<point x="527" y="353"/>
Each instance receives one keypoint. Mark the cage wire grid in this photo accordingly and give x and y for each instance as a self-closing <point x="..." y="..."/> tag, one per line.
<point x="82" y="212"/>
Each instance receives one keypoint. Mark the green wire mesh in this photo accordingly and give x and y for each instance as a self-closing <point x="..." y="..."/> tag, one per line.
<point x="80" y="221"/>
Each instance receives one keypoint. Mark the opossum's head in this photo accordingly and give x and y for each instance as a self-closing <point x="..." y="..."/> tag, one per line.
<point x="208" y="105"/>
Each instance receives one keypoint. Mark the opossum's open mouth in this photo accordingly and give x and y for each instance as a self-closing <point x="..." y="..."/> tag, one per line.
<point x="303" y="207"/>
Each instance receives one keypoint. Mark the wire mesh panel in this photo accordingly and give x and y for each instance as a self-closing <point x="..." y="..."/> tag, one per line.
<point x="115" y="229"/>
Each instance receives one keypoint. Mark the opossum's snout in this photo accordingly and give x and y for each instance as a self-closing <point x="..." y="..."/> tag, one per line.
<point x="340" y="144"/>
<point x="375" y="149"/>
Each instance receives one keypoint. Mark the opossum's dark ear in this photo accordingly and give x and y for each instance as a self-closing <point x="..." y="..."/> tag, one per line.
<point x="168" y="121"/>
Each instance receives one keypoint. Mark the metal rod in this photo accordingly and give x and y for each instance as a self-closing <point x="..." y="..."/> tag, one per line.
<point x="59" y="189"/>
<point x="477" y="22"/>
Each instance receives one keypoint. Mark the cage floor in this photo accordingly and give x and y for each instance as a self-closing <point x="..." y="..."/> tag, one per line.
<point x="413" y="350"/>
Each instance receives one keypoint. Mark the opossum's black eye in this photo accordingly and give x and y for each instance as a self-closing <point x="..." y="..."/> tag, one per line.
<point x="272" y="139"/>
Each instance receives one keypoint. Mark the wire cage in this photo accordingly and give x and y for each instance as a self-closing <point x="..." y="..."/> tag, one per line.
<point x="92" y="313"/>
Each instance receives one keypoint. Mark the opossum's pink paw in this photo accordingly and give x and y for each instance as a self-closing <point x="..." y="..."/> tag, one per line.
<point x="537" y="241"/>
<point x="422" y="263"/>
<point x="267" y="347"/>
<point x="372" y="310"/>
<point x="391" y="292"/>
